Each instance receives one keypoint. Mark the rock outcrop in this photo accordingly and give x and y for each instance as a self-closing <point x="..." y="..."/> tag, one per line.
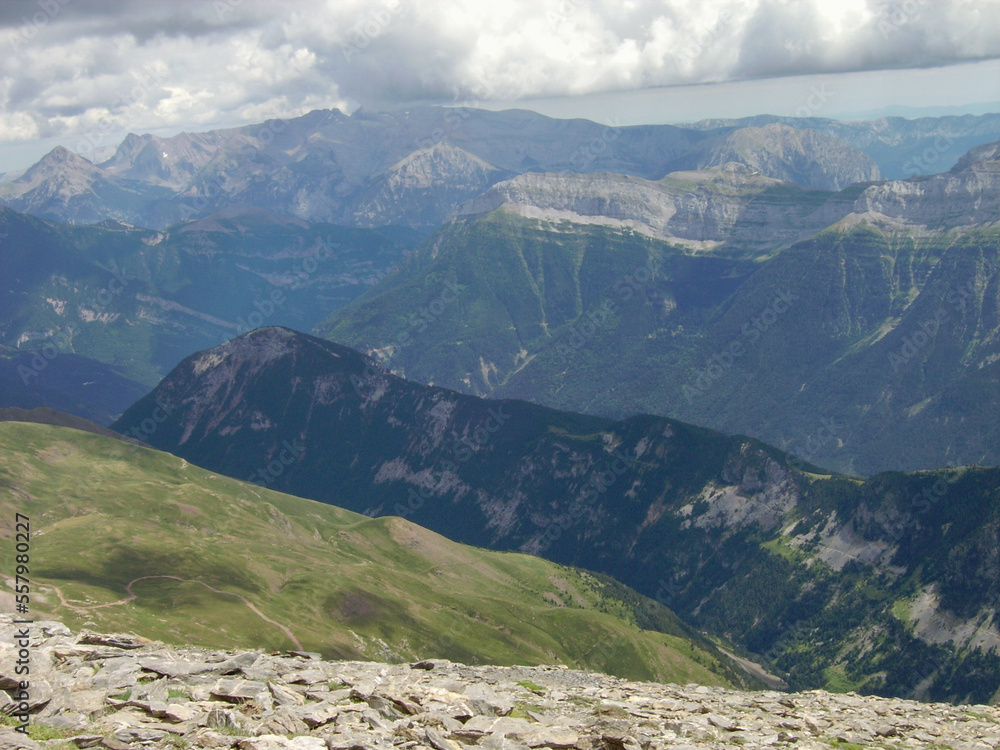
<point x="122" y="691"/>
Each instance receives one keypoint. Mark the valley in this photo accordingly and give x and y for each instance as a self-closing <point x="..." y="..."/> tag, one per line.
<point x="705" y="404"/>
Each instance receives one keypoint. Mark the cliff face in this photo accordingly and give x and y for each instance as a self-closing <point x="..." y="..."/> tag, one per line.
<point x="731" y="206"/>
<point x="967" y="196"/>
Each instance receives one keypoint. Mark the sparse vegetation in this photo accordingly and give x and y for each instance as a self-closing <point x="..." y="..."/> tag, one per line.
<point x="532" y="686"/>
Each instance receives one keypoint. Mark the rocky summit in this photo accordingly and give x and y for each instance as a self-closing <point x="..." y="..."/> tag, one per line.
<point x="119" y="691"/>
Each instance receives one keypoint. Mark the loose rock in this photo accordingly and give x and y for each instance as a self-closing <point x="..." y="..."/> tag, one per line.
<point x="122" y="692"/>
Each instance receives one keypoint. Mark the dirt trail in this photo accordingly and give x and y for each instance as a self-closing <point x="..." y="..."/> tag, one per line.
<point x="132" y="596"/>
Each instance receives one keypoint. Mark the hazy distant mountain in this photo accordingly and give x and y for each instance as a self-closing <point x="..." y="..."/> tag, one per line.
<point x="165" y="162"/>
<point x="363" y="170"/>
<point x="884" y="586"/>
<point x="613" y="295"/>
<point x="140" y="300"/>
<point x="417" y="167"/>
<point x="901" y="147"/>
<point x="66" y="187"/>
<point x="806" y="157"/>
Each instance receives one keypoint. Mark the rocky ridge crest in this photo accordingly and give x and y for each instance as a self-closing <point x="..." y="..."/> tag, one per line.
<point x="118" y="691"/>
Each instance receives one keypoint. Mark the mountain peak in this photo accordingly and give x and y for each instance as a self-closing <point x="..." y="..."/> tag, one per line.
<point x="61" y="153"/>
<point x="62" y="156"/>
<point x="264" y="346"/>
<point x="978" y="155"/>
<point x="62" y="171"/>
<point x="803" y="156"/>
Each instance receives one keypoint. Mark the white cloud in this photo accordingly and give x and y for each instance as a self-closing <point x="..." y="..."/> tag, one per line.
<point x="231" y="60"/>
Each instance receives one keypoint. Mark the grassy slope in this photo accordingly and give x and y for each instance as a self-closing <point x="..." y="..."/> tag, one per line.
<point x="105" y="513"/>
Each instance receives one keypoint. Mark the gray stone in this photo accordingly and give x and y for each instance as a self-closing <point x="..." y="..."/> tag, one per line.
<point x="70" y="721"/>
<point x="39" y="694"/>
<point x="51" y="628"/>
<point x="386" y="708"/>
<point x="238" y="662"/>
<point x="118" y="677"/>
<point x="116" y="640"/>
<point x="139" y="734"/>
<point x="306" y="677"/>
<point x="11" y="740"/>
<point x="482" y="699"/>
<point x="313" y="655"/>
<point x="88" y="701"/>
<point x="209" y="738"/>
<point x="224" y="719"/>
<point x="263" y="742"/>
<point x="376" y="722"/>
<point x="260" y="702"/>
<point x="284" y="696"/>
<point x="83" y="741"/>
<point x="725" y="723"/>
<point x="242" y="691"/>
<point x="284" y="721"/>
<point x="429" y="664"/>
<point x="550" y="737"/>
<point x="886" y="730"/>
<point x="347" y="741"/>
<point x="174" y="713"/>
<point x="307" y="743"/>
<point x="317" y="714"/>
<point x="438" y="742"/>
<point x="171" y="668"/>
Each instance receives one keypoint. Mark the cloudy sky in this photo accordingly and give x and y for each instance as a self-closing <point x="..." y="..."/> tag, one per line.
<point x="82" y="73"/>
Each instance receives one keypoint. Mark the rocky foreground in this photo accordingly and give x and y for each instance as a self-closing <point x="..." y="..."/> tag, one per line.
<point x="122" y="691"/>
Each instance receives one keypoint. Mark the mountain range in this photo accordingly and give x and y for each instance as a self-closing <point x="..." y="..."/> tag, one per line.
<point x="416" y="167"/>
<point x="724" y="298"/>
<point x="801" y="567"/>
<point x="719" y="393"/>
